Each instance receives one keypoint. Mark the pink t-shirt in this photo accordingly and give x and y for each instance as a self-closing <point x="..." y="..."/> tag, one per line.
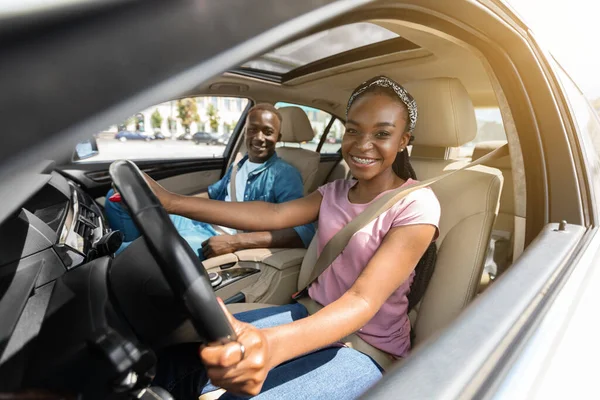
<point x="389" y="329"/>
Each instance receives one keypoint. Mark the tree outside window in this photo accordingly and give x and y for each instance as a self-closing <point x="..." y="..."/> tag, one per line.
<point x="187" y="111"/>
<point x="213" y="118"/>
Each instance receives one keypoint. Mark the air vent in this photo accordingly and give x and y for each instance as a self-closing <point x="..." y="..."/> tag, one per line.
<point x="82" y="229"/>
<point x="87" y="221"/>
<point x="88" y="214"/>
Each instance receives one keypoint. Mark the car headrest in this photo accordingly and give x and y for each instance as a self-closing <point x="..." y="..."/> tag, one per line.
<point x="483" y="148"/>
<point x="295" y="127"/>
<point x="446" y="114"/>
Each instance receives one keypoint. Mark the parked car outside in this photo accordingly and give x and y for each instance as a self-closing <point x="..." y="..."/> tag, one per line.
<point x="205" y="137"/>
<point x="124" y="136"/>
<point x="224" y="139"/>
<point x="185" y="136"/>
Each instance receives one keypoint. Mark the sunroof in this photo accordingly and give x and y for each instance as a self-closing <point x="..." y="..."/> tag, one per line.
<point x="320" y="45"/>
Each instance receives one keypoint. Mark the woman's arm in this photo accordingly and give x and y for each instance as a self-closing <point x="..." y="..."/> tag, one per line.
<point x="251" y="216"/>
<point x="391" y="265"/>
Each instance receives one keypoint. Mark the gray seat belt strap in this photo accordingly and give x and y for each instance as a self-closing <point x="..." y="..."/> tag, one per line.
<point x="232" y="195"/>
<point x="232" y="191"/>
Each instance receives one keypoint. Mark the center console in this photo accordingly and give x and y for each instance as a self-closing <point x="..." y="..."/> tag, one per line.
<point x="256" y="275"/>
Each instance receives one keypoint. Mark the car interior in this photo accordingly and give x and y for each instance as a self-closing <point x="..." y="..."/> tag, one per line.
<point x="482" y="228"/>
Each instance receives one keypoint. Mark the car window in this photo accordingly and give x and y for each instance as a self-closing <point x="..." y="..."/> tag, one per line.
<point x="585" y="116"/>
<point x="319" y="120"/>
<point x="489" y="127"/>
<point x="197" y="127"/>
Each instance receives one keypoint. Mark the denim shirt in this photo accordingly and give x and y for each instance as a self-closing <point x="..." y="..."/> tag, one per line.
<point x="275" y="181"/>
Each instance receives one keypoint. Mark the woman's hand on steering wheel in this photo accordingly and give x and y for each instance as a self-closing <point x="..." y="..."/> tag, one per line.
<point x="240" y="367"/>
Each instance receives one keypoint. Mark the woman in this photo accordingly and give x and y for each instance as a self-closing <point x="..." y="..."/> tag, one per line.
<point x="363" y="291"/>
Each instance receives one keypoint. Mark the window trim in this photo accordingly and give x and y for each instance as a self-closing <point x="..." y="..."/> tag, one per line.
<point x="326" y="133"/>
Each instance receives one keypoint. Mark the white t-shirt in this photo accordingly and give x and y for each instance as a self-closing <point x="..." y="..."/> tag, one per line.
<point x="241" y="179"/>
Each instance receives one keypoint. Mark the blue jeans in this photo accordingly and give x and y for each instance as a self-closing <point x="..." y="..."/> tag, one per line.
<point x="331" y="373"/>
<point x="193" y="232"/>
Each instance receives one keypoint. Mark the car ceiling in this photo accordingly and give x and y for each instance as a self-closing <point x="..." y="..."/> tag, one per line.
<point x="329" y="89"/>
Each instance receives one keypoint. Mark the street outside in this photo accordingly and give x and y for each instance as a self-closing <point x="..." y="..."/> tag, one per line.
<point x="110" y="149"/>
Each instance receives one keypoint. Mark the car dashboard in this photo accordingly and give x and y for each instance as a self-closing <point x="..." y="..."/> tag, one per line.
<point x="54" y="289"/>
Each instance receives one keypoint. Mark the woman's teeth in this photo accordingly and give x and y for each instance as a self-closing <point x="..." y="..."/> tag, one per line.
<point x="364" y="161"/>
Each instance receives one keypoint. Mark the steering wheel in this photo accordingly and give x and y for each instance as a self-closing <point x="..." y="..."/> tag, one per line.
<point x="182" y="269"/>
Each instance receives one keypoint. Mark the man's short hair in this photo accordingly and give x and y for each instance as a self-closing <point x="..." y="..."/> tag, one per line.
<point x="267" y="107"/>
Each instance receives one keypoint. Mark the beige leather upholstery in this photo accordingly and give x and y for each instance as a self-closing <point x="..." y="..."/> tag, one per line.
<point x="296" y="128"/>
<point x="275" y="282"/>
<point x="446" y="114"/>
<point x="469" y="200"/>
<point x="503" y="233"/>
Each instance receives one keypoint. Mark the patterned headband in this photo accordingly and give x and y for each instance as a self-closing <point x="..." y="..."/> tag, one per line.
<point x="402" y="94"/>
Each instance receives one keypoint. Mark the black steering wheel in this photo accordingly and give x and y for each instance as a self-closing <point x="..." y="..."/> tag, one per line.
<point x="182" y="269"/>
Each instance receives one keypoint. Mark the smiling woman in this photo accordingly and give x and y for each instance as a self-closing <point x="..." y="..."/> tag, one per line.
<point x="527" y="334"/>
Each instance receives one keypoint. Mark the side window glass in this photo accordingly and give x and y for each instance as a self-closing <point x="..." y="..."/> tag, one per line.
<point x="585" y="116"/>
<point x="195" y="127"/>
<point x="318" y="120"/>
<point x="333" y="142"/>
<point x="489" y="127"/>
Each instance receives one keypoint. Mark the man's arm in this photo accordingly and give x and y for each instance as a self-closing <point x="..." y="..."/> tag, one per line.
<point x="288" y="188"/>
<point x="225" y="244"/>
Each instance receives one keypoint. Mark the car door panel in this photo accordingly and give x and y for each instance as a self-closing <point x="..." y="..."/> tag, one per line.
<point x="493" y="322"/>
<point x="181" y="176"/>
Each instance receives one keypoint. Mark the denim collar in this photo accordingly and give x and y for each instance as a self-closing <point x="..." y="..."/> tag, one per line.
<point x="272" y="160"/>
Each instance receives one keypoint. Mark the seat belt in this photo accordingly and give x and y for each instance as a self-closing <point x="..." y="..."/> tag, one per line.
<point x="232" y="193"/>
<point x="338" y="242"/>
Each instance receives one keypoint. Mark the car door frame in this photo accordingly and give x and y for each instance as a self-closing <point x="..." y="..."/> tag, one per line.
<point x="433" y="367"/>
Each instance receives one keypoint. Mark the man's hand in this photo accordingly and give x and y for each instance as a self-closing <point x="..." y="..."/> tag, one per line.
<point x="219" y="245"/>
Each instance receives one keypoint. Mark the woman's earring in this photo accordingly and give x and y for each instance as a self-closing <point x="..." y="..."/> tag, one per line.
<point x="401" y="150"/>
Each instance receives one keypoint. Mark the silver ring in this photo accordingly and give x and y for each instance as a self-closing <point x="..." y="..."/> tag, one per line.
<point x="242" y="351"/>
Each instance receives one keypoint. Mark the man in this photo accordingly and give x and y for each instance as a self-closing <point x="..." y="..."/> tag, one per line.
<point x="261" y="175"/>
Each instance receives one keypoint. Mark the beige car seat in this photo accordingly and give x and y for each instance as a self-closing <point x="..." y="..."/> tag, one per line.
<point x="296" y="128"/>
<point x="501" y="246"/>
<point x="469" y="200"/>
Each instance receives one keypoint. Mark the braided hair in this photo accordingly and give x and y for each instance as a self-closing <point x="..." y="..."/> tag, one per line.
<point x="403" y="168"/>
